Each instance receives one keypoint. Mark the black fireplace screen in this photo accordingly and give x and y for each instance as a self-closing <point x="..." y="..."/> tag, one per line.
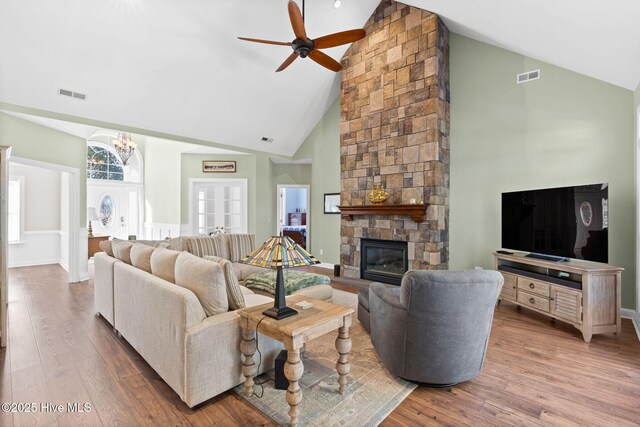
<point x="383" y="260"/>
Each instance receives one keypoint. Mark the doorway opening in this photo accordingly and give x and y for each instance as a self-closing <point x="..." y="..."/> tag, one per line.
<point x="293" y="213"/>
<point x="44" y="216"/>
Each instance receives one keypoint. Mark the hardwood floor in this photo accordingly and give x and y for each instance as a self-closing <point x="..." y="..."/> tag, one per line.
<point x="537" y="372"/>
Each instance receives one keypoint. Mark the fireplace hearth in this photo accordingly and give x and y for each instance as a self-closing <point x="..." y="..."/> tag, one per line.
<point x="383" y="260"/>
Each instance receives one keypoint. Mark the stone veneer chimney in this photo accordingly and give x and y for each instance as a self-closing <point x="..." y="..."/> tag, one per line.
<point x="395" y="132"/>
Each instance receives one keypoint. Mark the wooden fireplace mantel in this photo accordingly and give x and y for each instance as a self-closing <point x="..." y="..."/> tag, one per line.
<point x="416" y="212"/>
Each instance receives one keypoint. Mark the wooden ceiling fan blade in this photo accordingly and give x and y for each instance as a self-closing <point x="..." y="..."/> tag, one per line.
<point x="338" y="39"/>
<point x="296" y="21"/>
<point x="325" y="60"/>
<point x="265" y="41"/>
<point x="287" y="62"/>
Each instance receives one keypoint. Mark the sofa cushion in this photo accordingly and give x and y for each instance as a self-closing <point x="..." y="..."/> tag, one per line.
<point x="205" y="279"/>
<point x="255" y="299"/>
<point x="141" y="256"/>
<point x="105" y="245"/>
<point x="245" y="290"/>
<point x="240" y="245"/>
<point x="163" y="263"/>
<point x="202" y="246"/>
<point x="234" y="293"/>
<point x="244" y="271"/>
<point x="175" y="243"/>
<point x="122" y="250"/>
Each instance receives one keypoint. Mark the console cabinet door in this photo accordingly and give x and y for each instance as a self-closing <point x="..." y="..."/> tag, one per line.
<point x="566" y="303"/>
<point x="509" y="288"/>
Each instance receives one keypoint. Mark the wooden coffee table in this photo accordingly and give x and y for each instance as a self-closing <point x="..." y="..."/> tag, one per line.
<point x="294" y="332"/>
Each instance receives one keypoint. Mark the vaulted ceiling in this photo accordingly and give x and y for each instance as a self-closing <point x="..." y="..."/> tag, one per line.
<point x="177" y="68"/>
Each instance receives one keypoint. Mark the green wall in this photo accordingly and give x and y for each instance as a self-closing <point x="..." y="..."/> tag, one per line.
<point x="564" y="129"/>
<point x="322" y="146"/>
<point x="162" y="178"/>
<point x="33" y="141"/>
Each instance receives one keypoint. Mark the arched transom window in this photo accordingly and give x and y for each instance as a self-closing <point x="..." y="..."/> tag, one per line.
<point x="103" y="164"/>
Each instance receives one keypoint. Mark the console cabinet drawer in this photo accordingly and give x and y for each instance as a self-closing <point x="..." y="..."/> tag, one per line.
<point x="533" y="300"/>
<point x="509" y="287"/>
<point x="533" y="286"/>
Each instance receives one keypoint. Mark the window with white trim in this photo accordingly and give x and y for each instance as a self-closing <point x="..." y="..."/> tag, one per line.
<point x="14" y="208"/>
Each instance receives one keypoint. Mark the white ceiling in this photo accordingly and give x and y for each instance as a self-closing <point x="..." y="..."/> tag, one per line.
<point x="177" y="68"/>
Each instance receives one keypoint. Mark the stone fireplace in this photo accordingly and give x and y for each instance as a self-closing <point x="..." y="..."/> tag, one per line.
<point x="395" y="133"/>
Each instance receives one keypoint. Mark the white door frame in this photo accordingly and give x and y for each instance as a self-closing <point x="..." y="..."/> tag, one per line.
<point x="194" y="181"/>
<point x="279" y="213"/>
<point x="76" y="259"/>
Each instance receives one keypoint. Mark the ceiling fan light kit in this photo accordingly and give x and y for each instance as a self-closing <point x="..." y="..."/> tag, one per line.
<point x="303" y="46"/>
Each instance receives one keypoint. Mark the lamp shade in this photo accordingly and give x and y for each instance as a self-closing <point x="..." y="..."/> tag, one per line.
<point x="280" y="252"/>
<point x="92" y="215"/>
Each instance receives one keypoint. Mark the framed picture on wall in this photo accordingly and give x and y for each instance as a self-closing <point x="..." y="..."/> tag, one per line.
<point x="331" y="202"/>
<point x="228" y="166"/>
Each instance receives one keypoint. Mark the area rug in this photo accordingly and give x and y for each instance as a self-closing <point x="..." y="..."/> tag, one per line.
<point x="372" y="392"/>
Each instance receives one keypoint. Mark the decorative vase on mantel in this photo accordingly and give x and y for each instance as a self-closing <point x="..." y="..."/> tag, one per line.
<point x="378" y="195"/>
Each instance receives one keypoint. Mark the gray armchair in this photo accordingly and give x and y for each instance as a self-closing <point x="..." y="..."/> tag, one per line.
<point x="434" y="328"/>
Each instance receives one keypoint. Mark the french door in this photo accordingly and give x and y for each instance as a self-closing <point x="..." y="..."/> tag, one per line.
<point x="218" y="205"/>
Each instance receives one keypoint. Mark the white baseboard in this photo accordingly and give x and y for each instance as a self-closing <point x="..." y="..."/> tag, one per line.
<point x="35" y="248"/>
<point x="635" y="318"/>
<point x="325" y="265"/>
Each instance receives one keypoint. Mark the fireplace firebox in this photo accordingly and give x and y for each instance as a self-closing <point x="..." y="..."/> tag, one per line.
<point x="383" y="260"/>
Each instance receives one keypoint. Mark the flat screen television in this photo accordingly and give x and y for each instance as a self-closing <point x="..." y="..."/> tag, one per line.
<point x="566" y="222"/>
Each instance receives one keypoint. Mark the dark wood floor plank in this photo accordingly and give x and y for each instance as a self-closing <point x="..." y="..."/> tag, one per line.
<point x="5" y="386"/>
<point x="538" y="372"/>
<point x="111" y="401"/>
<point x="67" y="388"/>
<point x="29" y="385"/>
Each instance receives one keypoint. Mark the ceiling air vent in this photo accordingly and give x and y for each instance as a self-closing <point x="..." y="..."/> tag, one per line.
<point x="72" y="94"/>
<point x="528" y="76"/>
<point x="267" y="140"/>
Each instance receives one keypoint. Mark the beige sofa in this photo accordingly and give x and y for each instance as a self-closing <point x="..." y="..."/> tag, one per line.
<point x="196" y="354"/>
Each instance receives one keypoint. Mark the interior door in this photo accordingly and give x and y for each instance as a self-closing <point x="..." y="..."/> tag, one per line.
<point x="219" y="205"/>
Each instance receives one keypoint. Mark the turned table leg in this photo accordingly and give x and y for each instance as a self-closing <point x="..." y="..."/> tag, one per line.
<point x="293" y="370"/>
<point x="343" y="345"/>
<point x="248" y="348"/>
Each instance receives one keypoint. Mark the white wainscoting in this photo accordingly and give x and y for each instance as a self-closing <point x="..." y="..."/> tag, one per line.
<point x="64" y="249"/>
<point x="35" y="248"/>
<point x="159" y="231"/>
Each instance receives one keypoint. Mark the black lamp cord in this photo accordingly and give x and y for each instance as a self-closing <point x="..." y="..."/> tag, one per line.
<point x="259" y="384"/>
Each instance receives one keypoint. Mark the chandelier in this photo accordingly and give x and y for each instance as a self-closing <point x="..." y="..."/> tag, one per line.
<point x="124" y="146"/>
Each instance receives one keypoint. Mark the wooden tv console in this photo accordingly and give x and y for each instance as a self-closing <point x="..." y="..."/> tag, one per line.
<point x="582" y="293"/>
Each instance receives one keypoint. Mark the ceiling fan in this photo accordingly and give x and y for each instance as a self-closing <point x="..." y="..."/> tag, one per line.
<point x="303" y="46"/>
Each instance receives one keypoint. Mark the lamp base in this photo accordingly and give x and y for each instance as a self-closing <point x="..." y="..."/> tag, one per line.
<point x="280" y="313"/>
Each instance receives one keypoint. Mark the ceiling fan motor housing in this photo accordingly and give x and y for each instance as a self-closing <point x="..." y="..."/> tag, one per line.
<point x="302" y="47"/>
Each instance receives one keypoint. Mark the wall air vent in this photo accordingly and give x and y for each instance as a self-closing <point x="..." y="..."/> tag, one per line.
<point x="528" y="76"/>
<point x="267" y="140"/>
<point x="72" y="94"/>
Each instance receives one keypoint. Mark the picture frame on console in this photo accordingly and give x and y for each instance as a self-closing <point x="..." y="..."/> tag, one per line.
<point x="331" y="203"/>
<point x="215" y="166"/>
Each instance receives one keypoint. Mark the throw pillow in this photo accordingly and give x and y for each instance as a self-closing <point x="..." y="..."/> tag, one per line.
<point x="141" y="256"/>
<point x="203" y="246"/>
<point x="105" y="245"/>
<point x="234" y="293"/>
<point x="163" y="264"/>
<point x="240" y="245"/>
<point x="122" y="250"/>
<point x="205" y="279"/>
